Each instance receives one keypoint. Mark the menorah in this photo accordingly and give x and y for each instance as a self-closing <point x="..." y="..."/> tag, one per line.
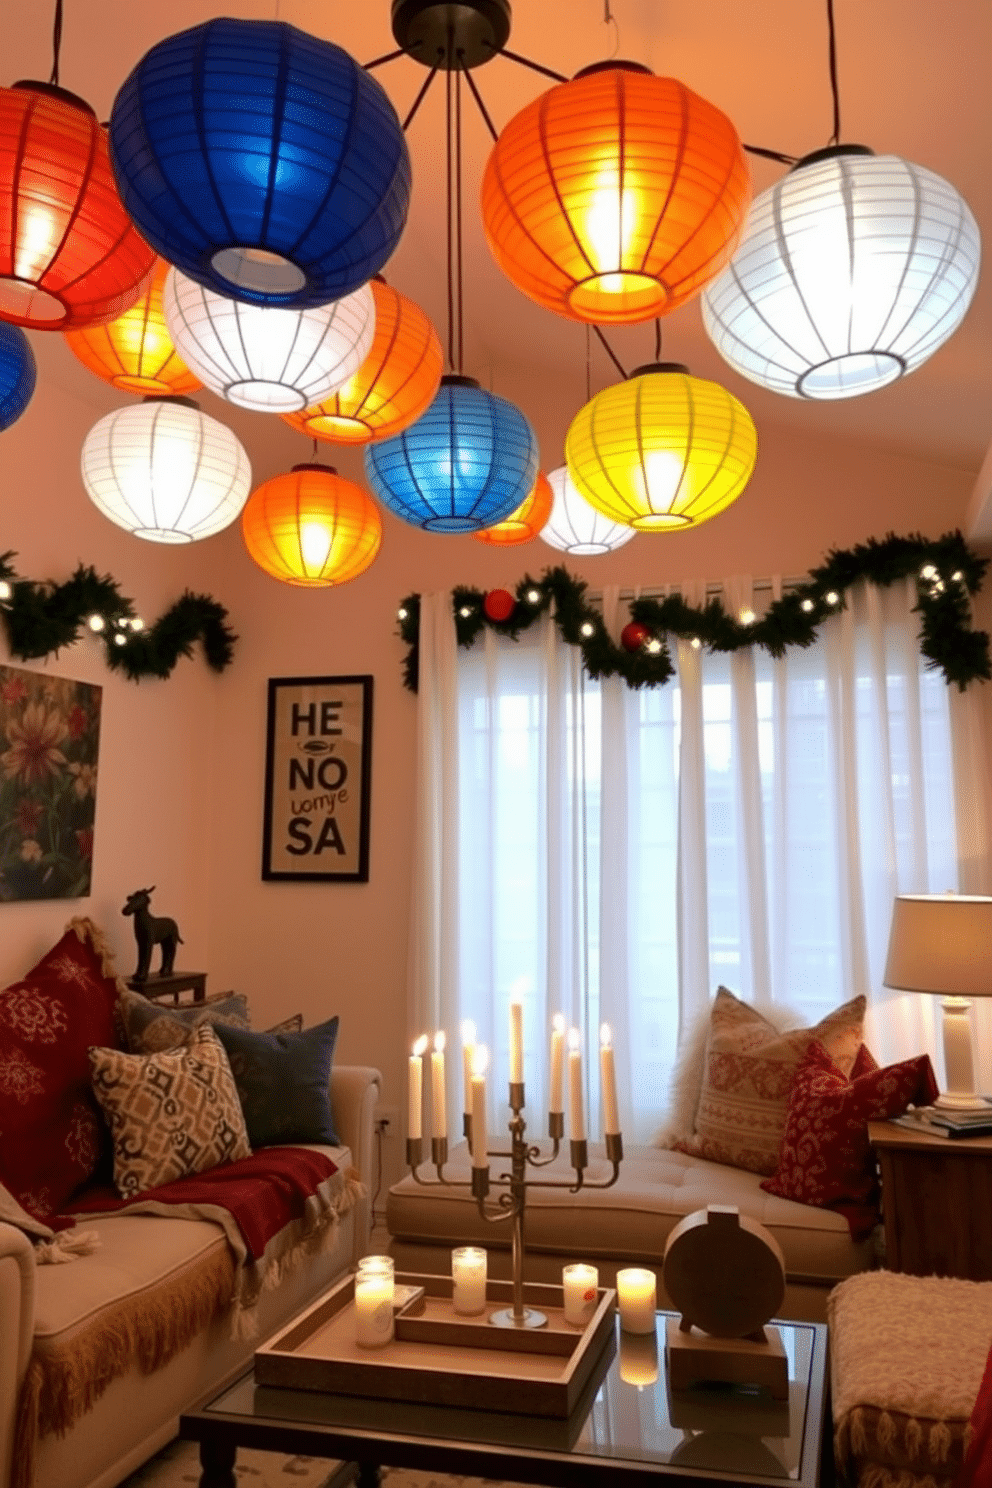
<point x="510" y="1204"/>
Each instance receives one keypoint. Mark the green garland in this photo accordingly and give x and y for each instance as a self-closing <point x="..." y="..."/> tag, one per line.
<point x="946" y="572"/>
<point x="41" y="618"/>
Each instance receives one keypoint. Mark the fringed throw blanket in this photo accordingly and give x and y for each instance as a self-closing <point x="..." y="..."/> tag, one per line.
<point x="274" y="1207"/>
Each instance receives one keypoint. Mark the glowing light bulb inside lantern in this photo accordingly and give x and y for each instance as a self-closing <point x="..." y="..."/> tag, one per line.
<point x="35" y="243"/>
<point x="662" y="483"/>
<point x="315" y="544"/>
<point x="609" y="226"/>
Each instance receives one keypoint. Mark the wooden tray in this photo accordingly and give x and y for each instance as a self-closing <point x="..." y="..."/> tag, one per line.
<point x="440" y="1358"/>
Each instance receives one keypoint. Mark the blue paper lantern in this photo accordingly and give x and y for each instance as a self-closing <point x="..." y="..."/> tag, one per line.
<point x="18" y="373"/>
<point x="263" y="162"/>
<point x="466" y="463"/>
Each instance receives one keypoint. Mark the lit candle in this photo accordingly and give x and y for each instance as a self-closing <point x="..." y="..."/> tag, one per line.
<point x="577" y="1120"/>
<point x="638" y="1359"/>
<point x="439" y="1110"/>
<point x="581" y="1286"/>
<point x="468" y="1270"/>
<point x="374" y="1301"/>
<point x="608" y="1082"/>
<point x="480" y="1059"/>
<point x="637" y="1297"/>
<point x="557" y="1063"/>
<point x="468" y="1044"/>
<point x="416" y="1088"/>
<point x="516" y="1043"/>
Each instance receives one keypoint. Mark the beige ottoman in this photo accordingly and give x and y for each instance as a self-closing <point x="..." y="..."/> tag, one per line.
<point x="907" y="1355"/>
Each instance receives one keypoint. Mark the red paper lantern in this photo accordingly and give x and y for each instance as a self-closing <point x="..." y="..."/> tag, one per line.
<point x="69" y="254"/>
<point x="633" y="636"/>
<point x="499" y="604"/>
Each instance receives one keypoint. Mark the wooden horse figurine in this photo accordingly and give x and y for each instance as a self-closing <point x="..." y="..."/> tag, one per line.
<point x="149" y="931"/>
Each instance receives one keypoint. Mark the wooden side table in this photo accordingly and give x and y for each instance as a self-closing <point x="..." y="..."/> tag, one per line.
<point x="157" y="986"/>
<point x="936" y="1202"/>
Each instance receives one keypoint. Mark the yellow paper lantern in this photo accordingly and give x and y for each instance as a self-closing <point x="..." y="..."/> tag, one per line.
<point x="395" y="384"/>
<point x="311" y="527"/>
<point x="525" y="523"/>
<point x="135" y="352"/>
<point x="617" y="196"/>
<point x="663" y="451"/>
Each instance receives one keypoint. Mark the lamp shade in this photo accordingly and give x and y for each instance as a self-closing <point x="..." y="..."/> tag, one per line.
<point x="18" y="374"/>
<point x="267" y="358"/>
<point x="576" y="527"/>
<point x="525" y="523"/>
<point x="311" y="528"/>
<point x="663" y="451"/>
<point x="852" y="271"/>
<point x="165" y="471"/>
<point x="615" y="197"/>
<point x="941" y="943"/>
<point x="394" y="385"/>
<point x="135" y="352"/>
<point x="263" y="162"/>
<point x="465" y="464"/>
<point x="69" y="254"/>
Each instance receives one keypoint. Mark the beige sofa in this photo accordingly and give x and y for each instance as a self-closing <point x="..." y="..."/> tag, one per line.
<point x="125" y="1418"/>
<point x="627" y="1224"/>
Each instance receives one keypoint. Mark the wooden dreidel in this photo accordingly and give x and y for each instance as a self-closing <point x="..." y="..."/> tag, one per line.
<point x="726" y="1275"/>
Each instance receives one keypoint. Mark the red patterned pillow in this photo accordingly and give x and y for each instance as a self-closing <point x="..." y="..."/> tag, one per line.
<point x="825" y="1159"/>
<point x="51" y="1128"/>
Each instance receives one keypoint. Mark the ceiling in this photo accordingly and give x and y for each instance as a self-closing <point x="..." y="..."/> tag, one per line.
<point x="908" y="85"/>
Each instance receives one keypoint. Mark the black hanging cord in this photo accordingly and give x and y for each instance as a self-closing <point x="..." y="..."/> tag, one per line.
<point x="419" y="99"/>
<point x="482" y="107"/>
<point x="458" y="215"/>
<point x="56" y="43"/>
<point x="559" y="77"/>
<point x="610" y="352"/>
<point x="450" y="226"/>
<point x="588" y="365"/>
<point x="657" y="338"/>
<point x="771" y="154"/>
<point x="835" y="137"/>
<point x="378" y="61"/>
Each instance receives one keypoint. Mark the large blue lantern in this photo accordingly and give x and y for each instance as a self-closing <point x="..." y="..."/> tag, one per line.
<point x="262" y="161"/>
<point x="18" y="373"/>
<point x="466" y="463"/>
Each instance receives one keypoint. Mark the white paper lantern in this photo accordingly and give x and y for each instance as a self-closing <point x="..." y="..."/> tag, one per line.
<point x="165" y="471"/>
<point x="576" y="527"/>
<point x="852" y="271"/>
<point x="267" y="359"/>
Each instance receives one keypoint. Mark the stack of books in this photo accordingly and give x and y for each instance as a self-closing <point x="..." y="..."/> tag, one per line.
<point x="945" y="1121"/>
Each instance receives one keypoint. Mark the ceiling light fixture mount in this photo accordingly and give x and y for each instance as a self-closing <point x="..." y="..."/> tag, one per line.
<point x="458" y="36"/>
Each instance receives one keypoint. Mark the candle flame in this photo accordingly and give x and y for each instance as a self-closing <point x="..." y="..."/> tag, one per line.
<point x="605" y="1036"/>
<point x="480" y="1059"/>
<point x="574" y="1038"/>
<point x="558" y="1022"/>
<point x="468" y="1032"/>
<point x="439" y="1041"/>
<point x="420" y="1046"/>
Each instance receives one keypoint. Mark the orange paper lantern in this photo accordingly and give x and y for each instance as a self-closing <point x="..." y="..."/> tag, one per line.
<point x="135" y="352"/>
<point x="526" y="522"/>
<point x="311" y="527"/>
<point x="394" y="385"/>
<point x="69" y="253"/>
<point x="615" y="197"/>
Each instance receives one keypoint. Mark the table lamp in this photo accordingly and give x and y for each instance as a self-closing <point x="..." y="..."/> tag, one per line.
<point x="942" y="943"/>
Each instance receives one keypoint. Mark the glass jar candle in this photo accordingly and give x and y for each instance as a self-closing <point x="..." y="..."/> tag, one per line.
<point x="637" y="1298"/>
<point x="374" y="1288"/>
<point x="468" y="1271"/>
<point x="581" y="1287"/>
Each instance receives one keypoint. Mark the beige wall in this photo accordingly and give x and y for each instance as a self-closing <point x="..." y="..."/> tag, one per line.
<point x="181" y="765"/>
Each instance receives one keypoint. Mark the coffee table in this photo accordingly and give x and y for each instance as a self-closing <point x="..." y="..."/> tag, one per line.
<point x="621" y="1432"/>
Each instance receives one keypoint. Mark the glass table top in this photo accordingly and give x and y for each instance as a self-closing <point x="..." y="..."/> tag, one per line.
<point x="627" y="1412"/>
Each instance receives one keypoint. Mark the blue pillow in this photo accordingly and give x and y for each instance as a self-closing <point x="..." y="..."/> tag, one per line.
<point x="283" y="1082"/>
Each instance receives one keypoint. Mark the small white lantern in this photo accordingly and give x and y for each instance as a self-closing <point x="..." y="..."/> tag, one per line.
<point x="852" y="271"/>
<point x="576" y="527"/>
<point x="165" y="471"/>
<point x="264" y="358"/>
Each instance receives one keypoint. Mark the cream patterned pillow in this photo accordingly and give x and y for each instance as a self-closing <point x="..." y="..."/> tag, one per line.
<point x="170" y="1114"/>
<point x="747" y="1076"/>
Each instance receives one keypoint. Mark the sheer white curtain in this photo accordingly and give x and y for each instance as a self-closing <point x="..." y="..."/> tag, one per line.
<point x="615" y="854"/>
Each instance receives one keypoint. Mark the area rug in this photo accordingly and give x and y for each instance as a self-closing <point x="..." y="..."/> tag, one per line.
<point x="178" y="1466"/>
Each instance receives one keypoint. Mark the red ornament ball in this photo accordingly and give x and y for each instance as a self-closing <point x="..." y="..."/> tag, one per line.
<point x="633" y="636"/>
<point x="499" y="604"/>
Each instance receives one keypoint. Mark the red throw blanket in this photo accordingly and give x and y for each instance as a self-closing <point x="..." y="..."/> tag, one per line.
<point x="262" y="1193"/>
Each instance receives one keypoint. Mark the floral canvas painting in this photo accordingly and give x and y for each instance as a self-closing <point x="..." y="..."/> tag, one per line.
<point x="49" y="741"/>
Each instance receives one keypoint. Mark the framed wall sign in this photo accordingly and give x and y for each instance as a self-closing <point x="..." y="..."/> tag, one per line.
<point x="318" y="769"/>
